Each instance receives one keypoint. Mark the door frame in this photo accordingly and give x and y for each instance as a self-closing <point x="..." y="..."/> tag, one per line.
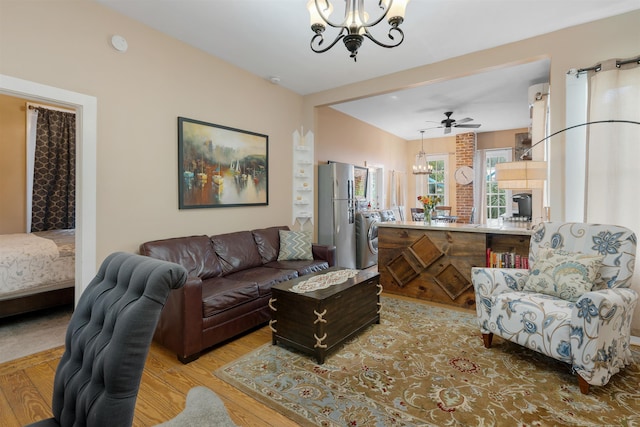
<point x="86" y="107"/>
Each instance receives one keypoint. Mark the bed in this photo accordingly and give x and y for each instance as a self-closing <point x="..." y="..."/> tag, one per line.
<point x="37" y="271"/>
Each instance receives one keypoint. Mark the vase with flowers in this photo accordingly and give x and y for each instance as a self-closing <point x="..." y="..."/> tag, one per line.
<point x="429" y="203"/>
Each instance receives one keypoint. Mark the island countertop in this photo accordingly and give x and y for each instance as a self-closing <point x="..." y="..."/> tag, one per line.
<point x="471" y="228"/>
<point x="434" y="261"/>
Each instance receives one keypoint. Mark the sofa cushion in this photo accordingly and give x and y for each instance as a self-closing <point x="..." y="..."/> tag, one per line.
<point x="265" y="277"/>
<point x="268" y="242"/>
<point x="563" y="274"/>
<point x="195" y="253"/>
<point x="220" y="294"/>
<point x="302" y="267"/>
<point x="295" y="245"/>
<point x="236" y="251"/>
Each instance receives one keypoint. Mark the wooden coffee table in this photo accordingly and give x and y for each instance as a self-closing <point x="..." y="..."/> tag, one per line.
<point x="317" y="322"/>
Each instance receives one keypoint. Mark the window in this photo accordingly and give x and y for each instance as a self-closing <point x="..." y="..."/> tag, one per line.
<point x="497" y="199"/>
<point x="375" y="192"/>
<point x="436" y="183"/>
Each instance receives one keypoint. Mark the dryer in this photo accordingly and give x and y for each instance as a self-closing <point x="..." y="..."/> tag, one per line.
<point x="366" y="239"/>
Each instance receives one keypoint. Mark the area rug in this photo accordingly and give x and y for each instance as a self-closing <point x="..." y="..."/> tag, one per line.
<point x="203" y="408"/>
<point x="426" y="365"/>
<point x="31" y="333"/>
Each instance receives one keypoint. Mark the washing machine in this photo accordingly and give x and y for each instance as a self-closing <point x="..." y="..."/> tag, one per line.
<point x="366" y="239"/>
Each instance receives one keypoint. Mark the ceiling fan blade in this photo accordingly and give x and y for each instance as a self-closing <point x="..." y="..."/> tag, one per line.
<point x="447" y="130"/>
<point x="468" y="126"/>
<point x="465" y="120"/>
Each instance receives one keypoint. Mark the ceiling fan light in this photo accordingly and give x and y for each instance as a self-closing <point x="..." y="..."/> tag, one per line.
<point x="397" y="9"/>
<point x="315" y="17"/>
<point x="354" y="23"/>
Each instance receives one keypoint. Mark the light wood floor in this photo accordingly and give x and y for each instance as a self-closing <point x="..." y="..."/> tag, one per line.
<point x="26" y="385"/>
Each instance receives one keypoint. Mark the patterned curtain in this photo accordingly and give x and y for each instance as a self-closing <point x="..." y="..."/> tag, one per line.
<point x="54" y="178"/>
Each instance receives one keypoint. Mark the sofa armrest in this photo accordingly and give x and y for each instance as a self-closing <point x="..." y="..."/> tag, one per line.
<point x="180" y="325"/>
<point x="600" y="333"/>
<point x="324" y="253"/>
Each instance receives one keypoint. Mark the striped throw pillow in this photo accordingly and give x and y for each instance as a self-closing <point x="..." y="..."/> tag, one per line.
<point x="295" y="245"/>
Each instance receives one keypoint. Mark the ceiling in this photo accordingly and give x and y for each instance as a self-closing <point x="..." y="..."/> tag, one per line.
<point x="270" y="38"/>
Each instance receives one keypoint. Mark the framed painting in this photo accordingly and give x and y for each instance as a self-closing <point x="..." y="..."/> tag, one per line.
<point x="360" y="177"/>
<point x="219" y="166"/>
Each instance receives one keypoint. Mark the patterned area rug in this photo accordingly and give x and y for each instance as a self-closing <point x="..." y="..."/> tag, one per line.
<point x="426" y="365"/>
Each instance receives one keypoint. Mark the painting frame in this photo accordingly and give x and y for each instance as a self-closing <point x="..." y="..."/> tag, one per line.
<point x="221" y="166"/>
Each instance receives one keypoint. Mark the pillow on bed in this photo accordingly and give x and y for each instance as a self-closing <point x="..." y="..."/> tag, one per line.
<point x="295" y="245"/>
<point x="563" y="274"/>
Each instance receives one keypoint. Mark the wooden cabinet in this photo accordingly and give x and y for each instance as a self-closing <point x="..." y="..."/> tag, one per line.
<point x="435" y="263"/>
<point x="318" y="322"/>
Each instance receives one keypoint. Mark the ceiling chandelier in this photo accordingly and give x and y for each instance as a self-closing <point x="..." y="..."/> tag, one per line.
<point x="355" y="25"/>
<point x="422" y="166"/>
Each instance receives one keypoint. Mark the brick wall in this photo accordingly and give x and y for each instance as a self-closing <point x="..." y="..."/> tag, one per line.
<point x="465" y="149"/>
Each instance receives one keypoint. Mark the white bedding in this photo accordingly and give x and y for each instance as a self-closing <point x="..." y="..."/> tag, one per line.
<point x="29" y="263"/>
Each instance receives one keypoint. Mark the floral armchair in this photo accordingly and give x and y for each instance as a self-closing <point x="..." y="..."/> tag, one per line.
<point x="573" y="303"/>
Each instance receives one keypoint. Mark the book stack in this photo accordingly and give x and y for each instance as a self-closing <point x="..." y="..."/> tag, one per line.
<point x="506" y="260"/>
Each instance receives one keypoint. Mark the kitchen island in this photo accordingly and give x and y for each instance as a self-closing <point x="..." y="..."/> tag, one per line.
<point x="433" y="262"/>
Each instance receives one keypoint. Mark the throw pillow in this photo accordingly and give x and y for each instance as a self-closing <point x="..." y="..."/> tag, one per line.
<point x="295" y="245"/>
<point x="563" y="274"/>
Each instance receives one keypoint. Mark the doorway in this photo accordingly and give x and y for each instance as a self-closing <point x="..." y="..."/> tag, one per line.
<point x="86" y="137"/>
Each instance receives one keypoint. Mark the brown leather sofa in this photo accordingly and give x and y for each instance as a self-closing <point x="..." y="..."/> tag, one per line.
<point x="228" y="288"/>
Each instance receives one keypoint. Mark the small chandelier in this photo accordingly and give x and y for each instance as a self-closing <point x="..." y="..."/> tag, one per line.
<point x="355" y="25"/>
<point x="422" y="166"/>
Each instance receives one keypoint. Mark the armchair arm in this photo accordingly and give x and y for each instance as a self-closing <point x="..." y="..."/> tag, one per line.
<point x="600" y="333"/>
<point x="492" y="281"/>
<point x="488" y="282"/>
<point x="324" y="253"/>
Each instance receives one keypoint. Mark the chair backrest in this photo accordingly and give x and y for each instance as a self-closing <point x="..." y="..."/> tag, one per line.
<point x="616" y="243"/>
<point x="108" y="339"/>
<point x="446" y="210"/>
<point x="417" y="214"/>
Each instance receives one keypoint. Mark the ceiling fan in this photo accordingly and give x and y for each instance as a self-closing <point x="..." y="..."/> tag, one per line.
<point x="448" y="123"/>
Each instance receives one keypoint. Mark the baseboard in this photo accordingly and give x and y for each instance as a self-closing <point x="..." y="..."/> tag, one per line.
<point x="635" y="340"/>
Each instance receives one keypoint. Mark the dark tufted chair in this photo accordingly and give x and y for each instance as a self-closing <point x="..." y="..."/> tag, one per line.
<point x="108" y="339"/>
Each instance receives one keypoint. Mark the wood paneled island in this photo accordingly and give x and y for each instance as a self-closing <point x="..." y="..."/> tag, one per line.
<point x="433" y="262"/>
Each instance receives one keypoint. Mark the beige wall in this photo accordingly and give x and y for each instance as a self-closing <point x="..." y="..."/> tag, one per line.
<point x="499" y="139"/>
<point x="13" y="165"/>
<point x="140" y="94"/>
<point x="342" y="138"/>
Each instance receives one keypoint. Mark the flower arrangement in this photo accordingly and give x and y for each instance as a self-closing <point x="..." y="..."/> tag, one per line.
<point x="429" y="202"/>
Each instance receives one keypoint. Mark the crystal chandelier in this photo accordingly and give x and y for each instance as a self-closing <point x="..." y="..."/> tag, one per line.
<point x="355" y="25"/>
<point x="422" y="166"/>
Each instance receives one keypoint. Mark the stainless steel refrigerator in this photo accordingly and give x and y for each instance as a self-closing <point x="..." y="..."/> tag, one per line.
<point x="336" y="211"/>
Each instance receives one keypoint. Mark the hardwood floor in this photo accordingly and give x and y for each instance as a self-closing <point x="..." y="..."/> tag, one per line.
<point x="26" y="385"/>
